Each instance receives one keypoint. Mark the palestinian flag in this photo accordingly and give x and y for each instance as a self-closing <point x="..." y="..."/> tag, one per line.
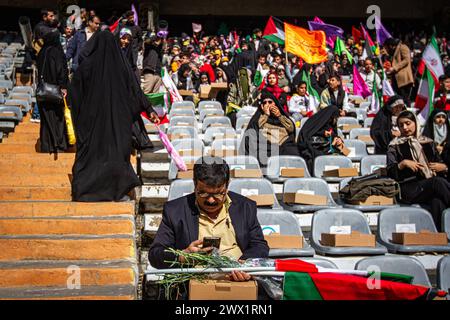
<point x="313" y="94"/>
<point x="260" y="76"/>
<point x="370" y="49"/>
<point x="114" y="26"/>
<point x="340" y="48"/>
<point x="332" y="286"/>
<point x="306" y="281"/>
<point x="431" y="59"/>
<point x="274" y="31"/>
<point x="375" y="103"/>
<point x="425" y="96"/>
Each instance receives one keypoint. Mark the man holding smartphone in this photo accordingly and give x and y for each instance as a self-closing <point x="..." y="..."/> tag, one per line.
<point x="211" y="211"/>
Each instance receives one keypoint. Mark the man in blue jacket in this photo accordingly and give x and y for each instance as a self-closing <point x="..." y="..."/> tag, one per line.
<point x="211" y="211"/>
<point x="79" y="40"/>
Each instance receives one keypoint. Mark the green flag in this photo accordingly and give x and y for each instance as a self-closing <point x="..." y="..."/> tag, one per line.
<point x="340" y="48"/>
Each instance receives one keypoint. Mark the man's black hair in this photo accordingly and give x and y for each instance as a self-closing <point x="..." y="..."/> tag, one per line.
<point x="45" y="12"/>
<point x="255" y="31"/>
<point x="212" y="171"/>
<point x="91" y="18"/>
<point x="129" y="13"/>
<point x="301" y="83"/>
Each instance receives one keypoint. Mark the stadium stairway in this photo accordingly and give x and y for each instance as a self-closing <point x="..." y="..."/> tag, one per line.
<point x="50" y="247"/>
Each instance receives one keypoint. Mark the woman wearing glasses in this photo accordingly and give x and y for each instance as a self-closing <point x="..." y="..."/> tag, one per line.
<point x="270" y="132"/>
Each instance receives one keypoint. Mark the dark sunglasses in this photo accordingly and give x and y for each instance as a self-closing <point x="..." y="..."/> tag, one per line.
<point x="267" y="102"/>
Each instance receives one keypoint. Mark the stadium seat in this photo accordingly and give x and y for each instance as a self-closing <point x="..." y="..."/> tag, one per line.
<point x="368" y="122"/>
<point x="183" y="121"/>
<point x="217" y="133"/>
<point x="443" y="275"/>
<point x="397" y="265"/>
<point x="309" y="185"/>
<point x="446" y="222"/>
<point x="209" y="105"/>
<point x="10" y="113"/>
<point x="182" y="104"/>
<point x="371" y="163"/>
<point x="241" y="124"/>
<point x="210" y="112"/>
<point x="180" y="188"/>
<point x="275" y="164"/>
<point x="23" y="89"/>
<point x="189" y="131"/>
<point x="246" y="111"/>
<point x="7" y="126"/>
<point x="225" y="144"/>
<point x="389" y="218"/>
<point x="346" y="120"/>
<point x="251" y="186"/>
<point x="216" y="121"/>
<point x="173" y="169"/>
<point x="242" y="162"/>
<point x="7" y="84"/>
<point x="20" y="96"/>
<point x="323" y="220"/>
<point x="181" y="113"/>
<point x="365" y="105"/>
<point x="2" y="98"/>
<point x="325" y="163"/>
<point x="288" y="225"/>
<point x="358" y="149"/>
<point x="361" y="114"/>
<point x="355" y="133"/>
<point x="188" y="144"/>
<point x="24" y="105"/>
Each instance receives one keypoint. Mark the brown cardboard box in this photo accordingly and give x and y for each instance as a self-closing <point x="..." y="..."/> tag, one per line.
<point x="219" y="125"/>
<point x="224" y="153"/>
<point x="204" y="92"/>
<point x="293" y="172"/>
<point x="341" y="173"/>
<point x="375" y="201"/>
<point x="183" y="124"/>
<point x="298" y="198"/>
<point x="190" y="165"/>
<point x="246" y="173"/>
<point x="185" y="174"/>
<point x="423" y="238"/>
<point x="216" y="88"/>
<point x="225" y="136"/>
<point x="263" y="200"/>
<point x="192" y="153"/>
<point x="178" y="136"/>
<point x="348" y="127"/>
<point x="345" y="151"/>
<point x="366" y="139"/>
<point x="356" y="239"/>
<point x="7" y="114"/>
<point x="279" y="241"/>
<point x="186" y="93"/>
<point x="222" y="290"/>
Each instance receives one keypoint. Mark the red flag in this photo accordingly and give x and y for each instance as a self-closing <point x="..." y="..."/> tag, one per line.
<point x="356" y="34"/>
<point x="113" y="27"/>
<point x="295" y="265"/>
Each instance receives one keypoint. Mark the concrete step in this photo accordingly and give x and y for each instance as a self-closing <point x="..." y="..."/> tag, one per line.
<point x="47" y="180"/>
<point x="68" y="281"/>
<point x="117" y="248"/>
<point x="19" y="148"/>
<point x="38" y="157"/>
<point x="28" y="128"/>
<point x="35" y="193"/>
<point x="31" y="209"/>
<point x="39" y="168"/>
<point x="57" y="227"/>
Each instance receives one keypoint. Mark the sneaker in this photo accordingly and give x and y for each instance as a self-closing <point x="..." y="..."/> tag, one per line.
<point x="35" y="120"/>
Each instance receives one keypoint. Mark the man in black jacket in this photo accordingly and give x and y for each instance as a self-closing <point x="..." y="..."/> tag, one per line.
<point x="152" y="64"/>
<point x="211" y="211"/>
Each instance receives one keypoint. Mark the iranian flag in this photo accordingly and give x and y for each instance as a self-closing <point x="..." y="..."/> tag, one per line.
<point x="375" y="104"/>
<point x="170" y="86"/>
<point x="306" y="281"/>
<point x="274" y="31"/>
<point x="425" y="96"/>
<point x="313" y="94"/>
<point x="387" y="89"/>
<point x="260" y="76"/>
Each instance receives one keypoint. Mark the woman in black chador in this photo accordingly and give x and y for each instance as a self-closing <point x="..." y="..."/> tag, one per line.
<point x="106" y="99"/>
<point x="52" y="68"/>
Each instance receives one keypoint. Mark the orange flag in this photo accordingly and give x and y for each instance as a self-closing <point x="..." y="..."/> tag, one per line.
<point x="308" y="45"/>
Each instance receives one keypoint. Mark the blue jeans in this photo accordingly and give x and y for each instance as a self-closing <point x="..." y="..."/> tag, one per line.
<point x="35" y="114"/>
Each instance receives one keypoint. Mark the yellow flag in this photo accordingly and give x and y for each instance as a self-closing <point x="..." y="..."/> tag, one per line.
<point x="308" y="45"/>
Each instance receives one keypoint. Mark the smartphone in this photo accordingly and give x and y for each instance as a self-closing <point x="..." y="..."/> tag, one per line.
<point x="211" y="242"/>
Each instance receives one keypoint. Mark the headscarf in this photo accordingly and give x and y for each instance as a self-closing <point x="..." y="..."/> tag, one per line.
<point x="415" y="145"/>
<point x="382" y="125"/>
<point x="439" y="133"/>
<point x="253" y="127"/>
<point x="275" y="89"/>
